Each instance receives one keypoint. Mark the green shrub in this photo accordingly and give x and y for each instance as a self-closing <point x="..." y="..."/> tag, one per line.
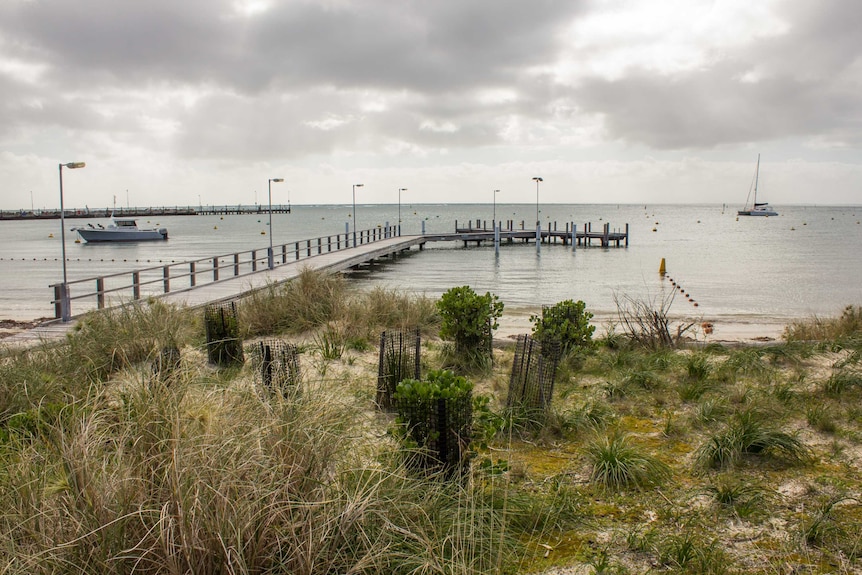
<point x="566" y="323"/>
<point x="436" y="414"/>
<point x="469" y="319"/>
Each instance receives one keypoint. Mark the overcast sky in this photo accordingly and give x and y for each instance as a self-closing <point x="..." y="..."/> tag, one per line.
<point x="175" y="102"/>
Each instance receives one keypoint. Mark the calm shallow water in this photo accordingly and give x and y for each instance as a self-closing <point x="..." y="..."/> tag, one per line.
<point x="803" y="262"/>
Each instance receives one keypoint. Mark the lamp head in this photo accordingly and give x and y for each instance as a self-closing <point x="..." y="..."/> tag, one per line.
<point x="402" y="189"/>
<point x="74" y="165"/>
<point x="276" y="180"/>
<point x="538" y="179"/>
<point x="358" y="185"/>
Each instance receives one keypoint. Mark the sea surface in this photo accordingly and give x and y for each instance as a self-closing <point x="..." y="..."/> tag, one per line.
<point x="806" y="261"/>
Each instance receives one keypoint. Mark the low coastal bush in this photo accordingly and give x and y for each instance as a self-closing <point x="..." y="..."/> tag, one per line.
<point x="565" y="324"/>
<point x="469" y="320"/>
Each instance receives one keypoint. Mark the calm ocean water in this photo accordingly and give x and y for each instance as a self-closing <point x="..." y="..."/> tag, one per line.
<point x="805" y="261"/>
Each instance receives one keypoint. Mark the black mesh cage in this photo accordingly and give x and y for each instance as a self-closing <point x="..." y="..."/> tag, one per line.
<point x="276" y="366"/>
<point x="224" y="346"/>
<point x="166" y="362"/>
<point x="532" y="382"/>
<point x="399" y="360"/>
<point x="440" y="428"/>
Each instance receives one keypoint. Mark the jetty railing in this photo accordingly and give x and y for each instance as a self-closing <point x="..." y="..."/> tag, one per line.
<point x="186" y="275"/>
<point x="583" y="236"/>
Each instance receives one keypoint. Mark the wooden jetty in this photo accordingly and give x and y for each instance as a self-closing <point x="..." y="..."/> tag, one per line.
<point x="570" y="234"/>
<point x="229" y="276"/>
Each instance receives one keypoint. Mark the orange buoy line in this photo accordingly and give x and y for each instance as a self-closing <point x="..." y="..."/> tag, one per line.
<point x="662" y="270"/>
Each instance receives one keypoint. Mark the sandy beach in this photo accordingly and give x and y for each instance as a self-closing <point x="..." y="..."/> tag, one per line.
<point x="516" y="322"/>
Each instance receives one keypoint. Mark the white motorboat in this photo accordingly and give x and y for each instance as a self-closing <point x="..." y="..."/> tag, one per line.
<point x="122" y="230"/>
<point x="757" y="208"/>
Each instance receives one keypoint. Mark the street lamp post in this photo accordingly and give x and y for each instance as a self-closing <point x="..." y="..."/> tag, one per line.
<point x="537" y="179"/>
<point x="269" y="254"/>
<point x="65" y="303"/>
<point x="354" y="211"/>
<point x="399" y="208"/>
<point x="494" y="217"/>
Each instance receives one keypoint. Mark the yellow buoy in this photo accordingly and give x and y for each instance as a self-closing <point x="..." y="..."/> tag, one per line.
<point x="263" y="232"/>
<point x="661" y="268"/>
<point x="50" y="235"/>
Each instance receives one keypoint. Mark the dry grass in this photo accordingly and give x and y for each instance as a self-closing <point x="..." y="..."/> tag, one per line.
<point x="107" y="467"/>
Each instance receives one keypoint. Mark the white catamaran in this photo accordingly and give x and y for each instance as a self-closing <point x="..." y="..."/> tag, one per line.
<point x="758" y="208"/>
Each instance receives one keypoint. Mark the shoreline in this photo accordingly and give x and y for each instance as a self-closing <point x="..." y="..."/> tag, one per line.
<point x="750" y="330"/>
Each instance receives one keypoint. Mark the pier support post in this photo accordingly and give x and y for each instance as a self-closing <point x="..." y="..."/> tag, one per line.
<point x="496" y="238"/>
<point x="136" y="285"/>
<point x="423" y="227"/>
<point x="538" y="237"/>
<point x="61" y="297"/>
<point x="574" y="235"/>
<point x="627" y="235"/>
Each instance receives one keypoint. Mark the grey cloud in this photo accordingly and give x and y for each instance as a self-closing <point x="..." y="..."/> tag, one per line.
<point x="806" y="84"/>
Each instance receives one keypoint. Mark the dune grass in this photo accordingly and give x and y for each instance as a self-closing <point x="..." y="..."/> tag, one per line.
<point x="709" y="461"/>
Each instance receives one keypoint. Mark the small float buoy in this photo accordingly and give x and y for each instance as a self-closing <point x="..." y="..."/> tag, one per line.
<point x="655" y="230"/>
<point x="77" y="241"/>
<point x="695" y="304"/>
<point x="215" y="227"/>
<point x="52" y="235"/>
<point x="263" y="232"/>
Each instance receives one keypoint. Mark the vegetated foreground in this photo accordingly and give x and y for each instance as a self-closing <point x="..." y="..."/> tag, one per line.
<point x="118" y="458"/>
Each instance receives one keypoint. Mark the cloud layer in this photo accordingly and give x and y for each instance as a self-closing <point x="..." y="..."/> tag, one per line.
<point x="178" y="99"/>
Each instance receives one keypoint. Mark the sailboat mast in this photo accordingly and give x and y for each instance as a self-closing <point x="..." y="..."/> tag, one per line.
<point x="756" y="176"/>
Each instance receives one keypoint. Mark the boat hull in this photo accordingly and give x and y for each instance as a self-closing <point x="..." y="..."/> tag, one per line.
<point x="756" y="213"/>
<point x="97" y="235"/>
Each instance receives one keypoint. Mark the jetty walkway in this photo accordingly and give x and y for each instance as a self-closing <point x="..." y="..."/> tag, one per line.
<point x="232" y="276"/>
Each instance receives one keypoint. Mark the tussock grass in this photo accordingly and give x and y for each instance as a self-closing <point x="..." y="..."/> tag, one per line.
<point x="309" y="301"/>
<point x="316" y="299"/>
<point x="847" y="326"/>
<point x="742" y="497"/>
<point x="618" y="463"/>
<point x="751" y="432"/>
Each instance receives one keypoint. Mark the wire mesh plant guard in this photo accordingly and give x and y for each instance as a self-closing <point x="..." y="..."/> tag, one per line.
<point x="399" y="360"/>
<point x="224" y="346"/>
<point x="276" y="366"/>
<point x="166" y="362"/>
<point x="437" y="415"/>
<point x="531" y="384"/>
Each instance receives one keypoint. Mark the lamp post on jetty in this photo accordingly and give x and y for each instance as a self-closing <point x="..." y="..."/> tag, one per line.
<point x="537" y="179"/>
<point x="354" y="211"/>
<point x="494" y="217"/>
<point x="269" y="255"/>
<point x="399" y="208"/>
<point x="65" y="304"/>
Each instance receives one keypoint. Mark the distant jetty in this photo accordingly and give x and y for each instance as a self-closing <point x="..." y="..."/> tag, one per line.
<point x="138" y="212"/>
